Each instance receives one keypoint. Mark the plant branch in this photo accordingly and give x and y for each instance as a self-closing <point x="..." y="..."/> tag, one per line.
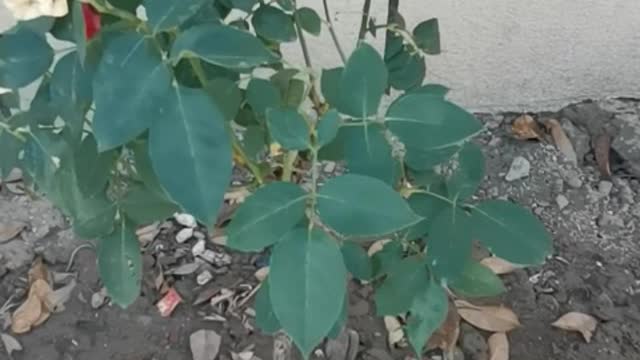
<point x="332" y="31"/>
<point x="313" y="93"/>
<point x="287" y="168"/>
<point x="14" y="133"/>
<point x="366" y="8"/>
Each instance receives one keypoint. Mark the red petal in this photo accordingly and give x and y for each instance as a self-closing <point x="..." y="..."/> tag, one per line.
<point x="91" y="20"/>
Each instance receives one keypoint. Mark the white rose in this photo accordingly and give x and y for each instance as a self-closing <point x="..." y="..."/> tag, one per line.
<point x="31" y="9"/>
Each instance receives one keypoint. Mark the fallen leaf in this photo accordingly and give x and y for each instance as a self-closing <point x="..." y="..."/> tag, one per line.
<point x="205" y="344"/>
<point x="262" y="273"/>
<point x="602" y="147"/>
<point x="563" y="144"/>
<point x="377" y="246"/>
<point x="10" y="343"/>
<point x="56" y="299"/>
<point x="10" y="230"/>
<point x="446" y="337"/>
<point x="489" y="318"/>
<point x="498" y="265"/>
<point x="525" y="127"/>
<point x="147" y="234"/>
<point x="169" y="302"/>
<point x="38" y="271"/>
<point x="394" y="330"/>
<point x="33" y="311"/>
<point x="576" y="321"/>
<point x="498" y="346"/>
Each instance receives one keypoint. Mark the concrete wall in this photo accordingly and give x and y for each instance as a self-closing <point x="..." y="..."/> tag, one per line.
<point x="510" y="54"/>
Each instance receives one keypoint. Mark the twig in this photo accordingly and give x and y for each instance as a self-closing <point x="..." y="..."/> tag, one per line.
<point x="366" y="8"/>
<point x="74" y="253"/>
<point x="332" y="31"/>
<point x="313" y="93"/>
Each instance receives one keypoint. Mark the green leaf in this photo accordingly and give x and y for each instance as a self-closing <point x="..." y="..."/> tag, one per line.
<point x="223" y="46"/>
<point x="428" y="311"/>
<point x="342" y="319"/>
<point x="43" y="155"/>
<point x="286" y="5"/>
<point x="164" y="15"/>
<point x="39" y="25"/>
<point x="386" y="259"/>
<point x="357" y="260"/>
<point x="266" y="216"/>
<point x="449" y="243"/>
<point x="226" y="95"/>
<point x="360" y="206"/>
<point x="70" y="83"/>
<point x="262" y="94"/>
<point x="427" y="206"/>
<point x="363" y="82"/>
<point x="330" y="85"/>
<point x="24" y="57"/>
<point x="429" y="127"/>
<point x="308" y="283"/>
<point x="244" y="5"/>
<point x="468" y="171"/>
<point x="78" y="29"/>
<point x="120" y="265"/>
<point x="254" y="141"/>
<point x="511" y="232"/>
<point x="367" y="152"/>
<point x="63" y="26"/>
<point x="477" y="280"/>
<point x="327" y="128"/>
<point x="432" y="89"/>
<point x="93" y="169"/>
<point x="246" y="117"/>
<point x="186" y="76"/>
<point x="406" y="70"/>
<point x="427" y="36"/>
<point x="288" y="128"/>
<point x="405" y="280"/>
<point x="309" y="20"/>
<point x="91" y="216"/>
<point x="265" y="317"/>
<point x="144" y="206"/>
<point x="10" y="148"/>
<point x="128" y="103"/>
<point x="191" y="152"/>
<point x="273" y="24"/>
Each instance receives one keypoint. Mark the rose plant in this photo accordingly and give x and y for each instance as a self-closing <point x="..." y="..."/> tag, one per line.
<point x="148" y="112"/>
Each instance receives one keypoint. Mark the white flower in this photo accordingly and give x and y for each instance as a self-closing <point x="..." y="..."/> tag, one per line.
<point x="31" y="9"/>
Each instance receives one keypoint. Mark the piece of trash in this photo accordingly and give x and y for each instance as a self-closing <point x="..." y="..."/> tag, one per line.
<point x="489" y="318"/>
<point x="204" y="277"/>
<point x="377" y="246"/>
<point x="498" y="346"/>
<point x="57" y="298"/>
<point x="218" y="259"/>
<point x="394" y="330"/>
<point x="577" y="321"/>
<point x="525" y="127"/>
<point x="225" y="294"/>
<point x="10" y="230"/>
<point x="446" y="337"/>
<point x="262" y="273"/>
<point x="184" y="269"/>
<point x="560" y="138"/>
<point x="199" y="248"/>
<point x="184" y="235"/>
<point x="498" y="265"/>
<point x="186" y="220"/>
<point x="99" y="298"/>
<point x="10" y="343"/>
<point x="169" y="302"/>
<point x="205" y="344"/>
<point x="148" y="233"/>
<point x="33" y="310"/>
<point x="215" y="317"/>
<point x="602" y="148"/>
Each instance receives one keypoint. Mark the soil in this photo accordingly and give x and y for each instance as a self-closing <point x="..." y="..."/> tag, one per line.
<point x="595" y="266"/>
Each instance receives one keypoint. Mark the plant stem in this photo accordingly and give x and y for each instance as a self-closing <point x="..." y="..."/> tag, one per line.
<point x="287" y="168"/>
<point x="313" y="93"/>
<point x="392" y="12"/>
<point x="366" y="8"/>
<point x="332" y="31"/>
<point x="314" y="177"/>
<point x="437" y="196"/>
<point x="15" y="134"/>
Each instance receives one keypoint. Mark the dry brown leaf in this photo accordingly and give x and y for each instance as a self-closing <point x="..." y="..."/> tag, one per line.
<point x="38" y="271"/>
<point x="394" y="330"/>
<point x="33" y="311"/>
<point x="560" y="138"/>
<point x="377" y="246"/>
<point x="576" y="321"/>
<point x="10" y="230"/>
<point x="498" y="346"/>
<point x="525" y="128"/>
<point x="498" y="265"/>
<point x="446" y="337"/>
<point x="489" y="318"/>
<point x="602" y="146"/>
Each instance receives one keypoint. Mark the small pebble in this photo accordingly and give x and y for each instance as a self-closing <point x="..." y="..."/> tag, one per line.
<point x="604" y="187"/>
<point x="186" y="220"/>
<point x="198" y="235"/>
<point x="519" y="169"/>
<point x="572" y="178"/>
<point x="204" y="277"/>
<point x="198" y="248"/>
<point x="562" y="201"/>
<point x="218" y="259"/>
<point x="329" y="167"/>
<point x="184" y="235"/>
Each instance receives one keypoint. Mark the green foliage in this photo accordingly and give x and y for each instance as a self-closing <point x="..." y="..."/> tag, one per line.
<point x="148" y="118"/>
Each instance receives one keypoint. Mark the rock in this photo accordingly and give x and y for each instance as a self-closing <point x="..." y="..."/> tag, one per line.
<point x="580" y="139"/>
<point x="627" y="141"/>
<point x="610" y="221"/>
<point x="572" y="178"/>
<point x="473" y="344"/>
<point x="604" y="187"/>
<point x="377" y="354"/>
<point x="360" y="308"/>
<point x="344" y="347"/>
<point x="604" y="308"/>
<point x="519" y="169"/>
<point x="16" y="254"/>
<point x="186" y="220"/>
<point x="562" y="201"/>
<point x="625" y="192"/>
<point x="57" y="249"/>
<point x="3" y="270"/>
<point x="204" y="277"/>
<point x="589" y="116"/>
<point x="184" y="235"/>
<point x="205" y="344"/>
<point x="218" y="259"/>
<point x="198" y="248"/>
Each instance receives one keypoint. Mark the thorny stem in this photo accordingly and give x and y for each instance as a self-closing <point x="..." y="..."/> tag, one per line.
<point x="366" y="8"/>
<point x="332" y="31"/>
<point x="202" y="77"/>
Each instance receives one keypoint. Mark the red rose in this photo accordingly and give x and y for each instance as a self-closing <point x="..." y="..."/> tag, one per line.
<point x="91" y="20"/>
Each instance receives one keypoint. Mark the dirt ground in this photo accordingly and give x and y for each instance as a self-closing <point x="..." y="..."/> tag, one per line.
<point x="595" y="266"/>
